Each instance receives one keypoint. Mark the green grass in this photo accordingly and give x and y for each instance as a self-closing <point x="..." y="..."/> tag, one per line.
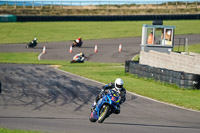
<point x="5" y="130"/>
<point x="193" y="48"/>
<point x="26" y="58"/>
<point x="146" y="87"/>
<point x="23" y="32"/>
<point x="107" y="72"/>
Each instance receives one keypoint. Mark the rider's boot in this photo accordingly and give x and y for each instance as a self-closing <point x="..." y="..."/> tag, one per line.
<point x="117" y="110"/>
<point x="93" y="106"/>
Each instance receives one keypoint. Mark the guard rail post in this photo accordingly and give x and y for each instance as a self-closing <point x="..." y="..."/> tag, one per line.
<point x="186" y="46"/>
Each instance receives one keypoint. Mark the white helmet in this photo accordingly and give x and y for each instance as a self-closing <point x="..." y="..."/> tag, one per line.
<point x="169" y="32"/>
<point x="77" y="40"/>
<point x="81" y="54"/>
<point x="35" y="39"/>
<point x="119" y="83"/>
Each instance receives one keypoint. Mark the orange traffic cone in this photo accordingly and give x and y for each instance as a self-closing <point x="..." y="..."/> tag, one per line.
<point x="44" y="50"/>
<point x="95" y="49"/>
<point x="120" y="48"/>
<point x="70" y="50"/>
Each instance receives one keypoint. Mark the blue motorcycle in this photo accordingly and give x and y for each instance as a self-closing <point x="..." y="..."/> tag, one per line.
<point x="105" y="106"/>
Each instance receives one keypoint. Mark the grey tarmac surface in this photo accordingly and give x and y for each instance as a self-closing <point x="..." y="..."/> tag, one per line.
<point x="38" y="97"/>
<point x="107" y="49"/>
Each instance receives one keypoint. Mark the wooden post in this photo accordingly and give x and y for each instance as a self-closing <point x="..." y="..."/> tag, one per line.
<point x="15" y="6"/>
<point x="186" y="46"/>
<point x="156" y="5"/>
<point x="60" y="5"/>
<point x="99" y="5"/>
<point x="186" y="4"/>
<point x="32" y="5"/>
<point x="24" y="5"/>
<point x="6" y="5"/>
<point x="41" y="5"/>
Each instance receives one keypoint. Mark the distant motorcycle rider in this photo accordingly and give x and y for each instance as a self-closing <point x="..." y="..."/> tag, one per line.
<point x="78" y="58"/>
<point x="78" y="42"/>
<point x="32" y="44"/>
<point x="118" y="85"/>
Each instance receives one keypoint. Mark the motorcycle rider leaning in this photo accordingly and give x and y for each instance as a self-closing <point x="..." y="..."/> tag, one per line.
<point x="79" y="57"/>
<point x="118" y="85"/>
<point x="78" y="40"/>
<point x="34" y="42"/>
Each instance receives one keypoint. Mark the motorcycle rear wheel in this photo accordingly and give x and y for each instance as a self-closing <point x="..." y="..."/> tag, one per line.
<point x="103" y="113"/>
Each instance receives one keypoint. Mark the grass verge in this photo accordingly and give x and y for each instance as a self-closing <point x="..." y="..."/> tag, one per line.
<point x="146" y="87"/>
<point x="107" y="72"/>
<point x="193" y="48"/>
<point x="5" y="130"/>
<point x="23" y="32"/>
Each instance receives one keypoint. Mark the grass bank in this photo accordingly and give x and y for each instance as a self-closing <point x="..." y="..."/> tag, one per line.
<point x="126" y="8"/>
<point x="23" y="32"/>
<point x="192" y="48"/>
<point x="146" y="87"/>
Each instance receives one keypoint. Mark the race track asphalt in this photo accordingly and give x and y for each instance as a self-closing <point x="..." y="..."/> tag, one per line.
<point x="107" y="49"/>
<point x="40" y="97"/>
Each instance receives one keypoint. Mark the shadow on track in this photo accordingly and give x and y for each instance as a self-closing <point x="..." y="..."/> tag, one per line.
<point x="44" y="118"/>
<point x="88" y="47"/>
<point x="150" y="125"/>
<point x="38" y="86"/>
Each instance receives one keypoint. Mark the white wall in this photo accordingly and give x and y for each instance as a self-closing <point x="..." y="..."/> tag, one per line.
<point x="173" y="61"/>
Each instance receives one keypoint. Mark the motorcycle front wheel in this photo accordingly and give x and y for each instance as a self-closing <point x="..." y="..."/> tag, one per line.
<point x="92" y="119"/>
<point x="103" y="113"/>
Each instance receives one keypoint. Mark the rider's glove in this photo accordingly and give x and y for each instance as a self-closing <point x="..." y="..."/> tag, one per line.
<point x="110" y="84"/>
<point x="102" y="92"/>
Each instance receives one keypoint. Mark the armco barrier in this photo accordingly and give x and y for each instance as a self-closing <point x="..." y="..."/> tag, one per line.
<point x="108" y="18"/>
<point x="8" y="18"/>
<point x="181" y="79"/>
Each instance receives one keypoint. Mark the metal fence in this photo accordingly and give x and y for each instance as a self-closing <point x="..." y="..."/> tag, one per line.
<point x="100" y="3"/>
<point x="101" y="7"/>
